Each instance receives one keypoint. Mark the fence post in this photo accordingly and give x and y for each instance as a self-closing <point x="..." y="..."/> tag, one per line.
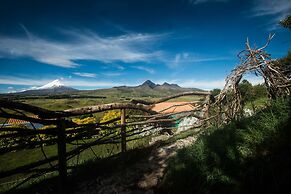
<point x="62" y="165"/>
<point x="207" y="106"/>
<point x="206" y="109"/>
<point x="123" y="131"/>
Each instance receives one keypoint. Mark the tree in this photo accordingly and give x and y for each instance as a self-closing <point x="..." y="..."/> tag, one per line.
<point x="285" y="64"/>
<point x="215" y="91"/>
<point x="259" y="91"/>
<point x="286" y="23"/>
<point x="245" y="88"/>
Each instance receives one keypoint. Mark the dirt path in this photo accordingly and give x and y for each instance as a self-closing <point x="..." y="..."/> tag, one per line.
<point x="142" y="177"/>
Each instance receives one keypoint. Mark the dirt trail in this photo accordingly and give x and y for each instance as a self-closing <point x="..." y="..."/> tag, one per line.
<point x="142" y="177"/>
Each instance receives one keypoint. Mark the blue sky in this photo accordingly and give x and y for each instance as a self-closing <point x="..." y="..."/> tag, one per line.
<point x="99" y="44"/>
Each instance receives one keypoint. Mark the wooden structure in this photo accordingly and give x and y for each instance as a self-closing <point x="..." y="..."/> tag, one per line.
<point x="62" y="130"/>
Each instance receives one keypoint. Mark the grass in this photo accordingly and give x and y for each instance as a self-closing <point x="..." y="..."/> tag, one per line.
<point x="251" y="155"/>
<point x="93" y="168"/>
<point x="63" y="104"/>
<point x="258" y="103"/>
<point x="15" y="159"/>
<point x="187" y="99"/>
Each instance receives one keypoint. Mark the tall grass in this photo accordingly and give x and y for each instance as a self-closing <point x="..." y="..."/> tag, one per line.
<point x="251" y="155"/>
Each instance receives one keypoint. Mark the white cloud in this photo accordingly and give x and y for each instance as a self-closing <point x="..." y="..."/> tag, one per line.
<point x="85" y="46"/>
<point x="271" y="7"/>
<point x="203" y="84"/>
<point x="147" y="69"/>
<point x="219" y="83"/>
<point x="195" y="2"/>
<point x="35" y="83"/>
<point x="112" y="74"/>
<point x="11" y="89"/>
<point x="82" y="74"/>
<point x="120" y="67"/>
<point x="11" y="80"/>
<point x="277" y="9"/>
<point x="86" y="83"/>
<point x="183" y="58"/>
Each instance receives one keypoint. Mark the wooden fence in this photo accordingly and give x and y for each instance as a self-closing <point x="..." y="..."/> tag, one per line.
<point x="62" y="130"/>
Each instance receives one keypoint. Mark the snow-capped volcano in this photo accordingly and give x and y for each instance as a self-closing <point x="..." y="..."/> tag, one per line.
<point x="51" y="88"/>
<point x="54" y="84"/>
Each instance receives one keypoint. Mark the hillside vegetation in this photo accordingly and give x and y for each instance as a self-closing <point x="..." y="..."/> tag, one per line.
<point x="251" y="155"/>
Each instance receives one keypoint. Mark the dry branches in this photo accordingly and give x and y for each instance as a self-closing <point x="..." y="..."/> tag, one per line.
<point x="252" y="61"/>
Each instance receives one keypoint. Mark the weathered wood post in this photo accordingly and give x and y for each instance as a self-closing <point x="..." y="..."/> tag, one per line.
<point x="207" y="106"/>
<point x="62" y="165"/>
<point x="206" y="109"/>
<point x="123" y="131"/>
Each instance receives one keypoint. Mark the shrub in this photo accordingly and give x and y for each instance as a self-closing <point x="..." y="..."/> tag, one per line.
<point x="242" y="157"/>
<point x="86" y="120"/>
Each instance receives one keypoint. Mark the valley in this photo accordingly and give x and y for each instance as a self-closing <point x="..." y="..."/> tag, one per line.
<point x="56" y="96"/>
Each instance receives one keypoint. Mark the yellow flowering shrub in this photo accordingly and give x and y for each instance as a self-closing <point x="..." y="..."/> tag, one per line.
<point x="111" y="115"/>
<point x="87" y="120"/>
<point x="45" y="136"/>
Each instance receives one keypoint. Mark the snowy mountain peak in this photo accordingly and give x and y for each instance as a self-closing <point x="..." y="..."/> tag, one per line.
<point x="54" y="84"/>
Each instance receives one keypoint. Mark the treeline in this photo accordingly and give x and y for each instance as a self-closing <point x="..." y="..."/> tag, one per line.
<point x="248" y="91"/>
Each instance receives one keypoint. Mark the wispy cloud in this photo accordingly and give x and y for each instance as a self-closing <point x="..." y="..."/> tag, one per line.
<point x="203" y="84"/>
<point x="195" y="2"/>
<point x="11" y="89"/>
<point x="271" y="7"/>
<point x="33" y="83"/>
<point x="277" y="9"/>
<point x="85" y="46"/>
<point x="112" y="74"/>
<point x="183" y="58"/>
<point x="82" y="74"/>
<point x="219" y="83"/>
<point x="143" y="68"/>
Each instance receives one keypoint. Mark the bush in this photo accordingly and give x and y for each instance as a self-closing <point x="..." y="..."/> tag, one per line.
<point x="86" y="120"/>
<point x="251" y="155"/>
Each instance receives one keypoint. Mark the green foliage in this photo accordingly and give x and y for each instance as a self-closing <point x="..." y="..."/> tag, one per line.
<point x="215" y="91"/>
<point x="285" y="64"/>
<point x="245" y="89"/>
<point x="251" y="155"/>
<point x="251" y="93"/>
<point x="286" y="23"/>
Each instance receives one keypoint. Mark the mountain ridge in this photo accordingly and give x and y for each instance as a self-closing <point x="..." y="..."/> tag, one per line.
<point x="146" y="89"/>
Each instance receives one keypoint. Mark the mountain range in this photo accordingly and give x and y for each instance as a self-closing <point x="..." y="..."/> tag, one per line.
<point x="146" y="89"/>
